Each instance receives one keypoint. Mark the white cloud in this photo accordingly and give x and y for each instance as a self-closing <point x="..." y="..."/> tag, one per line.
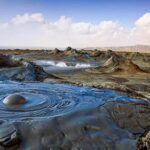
<point x="27" y="18"/>
<point x="4" y="25"/>
<point x="34" y="30"/>
<point x="143" y="21"/>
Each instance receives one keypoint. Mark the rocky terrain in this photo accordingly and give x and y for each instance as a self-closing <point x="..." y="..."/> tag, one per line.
<point x="95" y="100"/>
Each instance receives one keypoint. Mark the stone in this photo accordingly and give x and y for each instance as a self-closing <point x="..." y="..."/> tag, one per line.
<point x="8" y="61"/>
<point x="8" y="135"/>
<point x="144" y="141"/>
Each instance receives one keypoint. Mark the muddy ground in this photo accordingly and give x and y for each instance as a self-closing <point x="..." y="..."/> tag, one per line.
<point x="116" y="125"/>
<point x="129" y="79"/>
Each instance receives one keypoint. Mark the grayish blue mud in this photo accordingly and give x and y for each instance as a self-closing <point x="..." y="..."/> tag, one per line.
<point x="45" y="99"/>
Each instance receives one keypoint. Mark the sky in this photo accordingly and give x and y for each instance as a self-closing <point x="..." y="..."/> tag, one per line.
<point x="76" y="23"/>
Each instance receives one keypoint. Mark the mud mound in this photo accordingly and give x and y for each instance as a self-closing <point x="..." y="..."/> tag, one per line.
<point x="118" y="64"/>
<point x="72" y="52"/>
<point x="8" y="61"/>
<point x="113" y="61"/>
<point x="30" y="72"/>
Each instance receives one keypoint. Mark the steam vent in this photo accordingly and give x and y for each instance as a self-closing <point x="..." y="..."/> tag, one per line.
<point x="14" y="100"/>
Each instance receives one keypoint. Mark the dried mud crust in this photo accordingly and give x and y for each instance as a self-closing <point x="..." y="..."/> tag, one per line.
<point x="112" y="126"/>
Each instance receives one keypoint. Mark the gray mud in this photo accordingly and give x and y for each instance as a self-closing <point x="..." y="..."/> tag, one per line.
<point x="67" y="117"/>
<point x="45" y="99"/>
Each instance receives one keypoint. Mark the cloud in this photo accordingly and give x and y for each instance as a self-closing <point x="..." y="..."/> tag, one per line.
<point x="3" y="26"/>
<point x="27" y="18"/>
<point x="143" y="21"/>
<point x="35" y="30"/>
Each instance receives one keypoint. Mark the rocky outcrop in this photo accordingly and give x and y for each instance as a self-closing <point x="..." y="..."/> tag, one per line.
<point x="30" y="72"/>
<point x="71" y="52"/>
<point x="95" y="53"/>
<point x="27" y="72"/>
<point x="144" y="141"/>
<point x="8" y="61"/>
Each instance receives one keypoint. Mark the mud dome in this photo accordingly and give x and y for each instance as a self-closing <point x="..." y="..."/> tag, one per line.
<point x="14" y="100"/>
<point x="45" y="99"/>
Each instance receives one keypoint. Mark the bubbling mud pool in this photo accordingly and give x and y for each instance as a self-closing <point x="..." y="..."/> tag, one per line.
<point x="46" y="100"/>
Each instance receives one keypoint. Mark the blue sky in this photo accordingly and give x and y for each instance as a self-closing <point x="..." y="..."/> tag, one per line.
<point x="76" y="23"/>
<point x="125" y="11"/>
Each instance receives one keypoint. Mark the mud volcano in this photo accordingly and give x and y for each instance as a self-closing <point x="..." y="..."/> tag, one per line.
<point x="120" y="65"/>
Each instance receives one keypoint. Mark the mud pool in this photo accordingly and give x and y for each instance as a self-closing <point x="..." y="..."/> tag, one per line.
<point x="46" y="100"/>
<point x="62" y="66"/>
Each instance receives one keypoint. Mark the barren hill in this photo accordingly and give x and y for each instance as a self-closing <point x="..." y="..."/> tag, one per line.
<point x="136" y="48"/>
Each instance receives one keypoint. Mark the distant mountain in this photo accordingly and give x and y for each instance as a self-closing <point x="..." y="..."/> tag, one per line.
<point x="25" y="47"/>
<point x="136" y="48"/>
